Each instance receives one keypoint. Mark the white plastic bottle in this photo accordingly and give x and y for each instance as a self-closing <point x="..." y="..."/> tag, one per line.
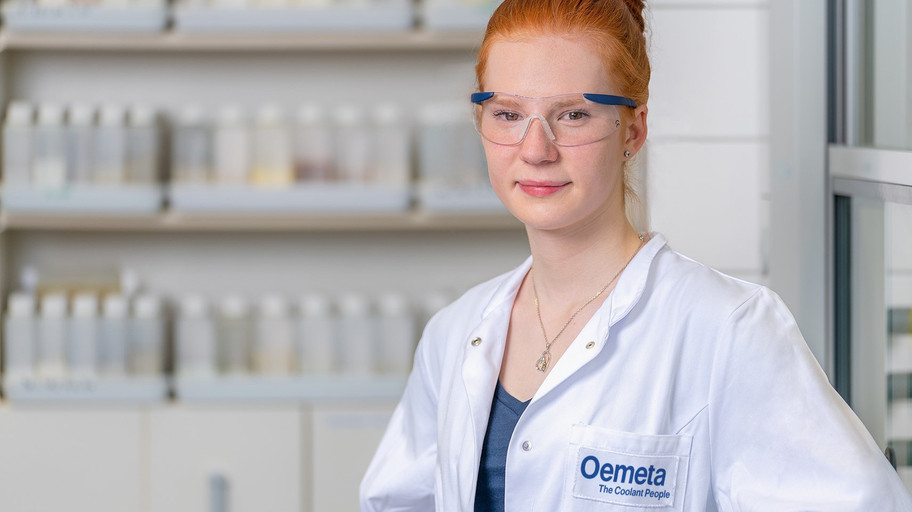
<point x="17" y="145"/>
<point x="231" y="147"/>
<point x="233" y="336"/>
<point x="352" y="144"/>
<point x="110" y="146"/>
<point x="316" y="341"/>
<point x="81" y="143"/>
<point x="355" y="333"/>
<point x="49" y="163"/>
<point x="391" y="143"/>
<point x="142" y="145"/>
<point x="52" y="337"/>
<point x="19" y="335"/>
<point x="195" y="339"/>
<point x="313" y="150"/>
<point x="396" y="334"/>
<point x="146" y="352"/>
<point x="83" y="336"/>
<point x="112" y="336"/>
<point x="191" y="147"/>
<point x="271" y="149"/>
<point x="273" y="352"/>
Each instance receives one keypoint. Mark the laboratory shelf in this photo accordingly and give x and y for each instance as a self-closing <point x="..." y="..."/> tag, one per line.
<point x="86" y="391"/>
<point x="292" y="388"/>
<point x="180" y="222"/>
<point x="170" y="41"/>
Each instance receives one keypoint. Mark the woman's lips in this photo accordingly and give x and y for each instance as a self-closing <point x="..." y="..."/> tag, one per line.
<point x="542" y="188"/>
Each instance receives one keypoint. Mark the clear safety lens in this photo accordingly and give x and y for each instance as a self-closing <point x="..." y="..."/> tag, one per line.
<point x="567" y="120"/>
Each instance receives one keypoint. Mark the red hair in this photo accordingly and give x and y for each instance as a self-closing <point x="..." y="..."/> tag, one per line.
<point x="615" y="27"/>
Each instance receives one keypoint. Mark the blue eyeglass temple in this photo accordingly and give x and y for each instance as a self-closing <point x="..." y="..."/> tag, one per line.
<point x="604" y="99"/>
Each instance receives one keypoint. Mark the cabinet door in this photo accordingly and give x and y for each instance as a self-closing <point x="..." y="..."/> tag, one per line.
<point x="237" y="459"/>
<point x="74" y="460"/>
<point x="344" y="440"/>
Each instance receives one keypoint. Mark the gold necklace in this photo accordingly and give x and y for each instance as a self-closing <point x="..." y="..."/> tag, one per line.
<point x="545" y="359"/>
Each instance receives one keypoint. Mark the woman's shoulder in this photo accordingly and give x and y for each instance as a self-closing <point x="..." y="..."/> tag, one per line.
<point x="683" y="280"/>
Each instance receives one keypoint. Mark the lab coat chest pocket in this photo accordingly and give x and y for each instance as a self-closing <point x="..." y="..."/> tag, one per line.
<point x="610" y="470"/>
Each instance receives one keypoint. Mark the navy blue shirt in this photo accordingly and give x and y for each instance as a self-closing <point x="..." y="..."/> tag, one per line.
<point x="505" y="412"/>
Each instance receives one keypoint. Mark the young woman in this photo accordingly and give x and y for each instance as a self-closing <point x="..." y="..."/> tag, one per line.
<point x="608" y="372"/>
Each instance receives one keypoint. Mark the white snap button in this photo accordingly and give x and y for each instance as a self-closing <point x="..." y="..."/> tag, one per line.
<point x="527" y="446"/>
<point x="476" y="341"/>
<point x="590" y="344"/>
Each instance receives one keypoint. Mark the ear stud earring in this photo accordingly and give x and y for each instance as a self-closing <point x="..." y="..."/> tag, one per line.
<point x="626" y="154"/>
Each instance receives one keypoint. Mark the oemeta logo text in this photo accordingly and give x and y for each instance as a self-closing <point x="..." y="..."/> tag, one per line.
<point x="591" y="468"/>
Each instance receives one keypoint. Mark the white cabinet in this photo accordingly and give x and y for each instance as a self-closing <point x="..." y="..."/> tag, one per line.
<point x="250" y="459"/>
<point x="60" y="459"/>
<point x="344" y="439"/>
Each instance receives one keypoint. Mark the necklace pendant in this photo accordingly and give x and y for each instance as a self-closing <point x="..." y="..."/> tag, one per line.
<point x="543" y="361"/>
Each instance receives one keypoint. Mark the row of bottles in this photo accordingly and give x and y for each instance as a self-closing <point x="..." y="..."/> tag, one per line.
<point x="51" y="146"/>
<point x="58" y="337"/>
<point x="348" y="143"/>
<point x="71" y="337"/>
<point x="314" y="335"/>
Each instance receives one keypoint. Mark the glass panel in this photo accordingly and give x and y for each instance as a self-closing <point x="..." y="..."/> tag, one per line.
<point x="880" y="305"/>
<point x="898" y="298"/>
<point x="889" y="70"/>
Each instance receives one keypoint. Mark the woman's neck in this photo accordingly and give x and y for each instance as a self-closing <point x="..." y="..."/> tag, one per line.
<point x="570" y="267"/>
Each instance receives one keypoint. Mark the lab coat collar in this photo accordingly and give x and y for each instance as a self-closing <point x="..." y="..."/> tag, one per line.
<point x="624" y="297"/>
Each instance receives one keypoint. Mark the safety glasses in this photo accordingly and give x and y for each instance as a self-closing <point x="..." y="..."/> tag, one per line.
<point x="568" y="119"/>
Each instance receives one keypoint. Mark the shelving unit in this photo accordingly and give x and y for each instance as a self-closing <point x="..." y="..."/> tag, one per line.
<point x="307" y="422"/>
<point x="412" y="41"/>
<point x="176" y="222"/>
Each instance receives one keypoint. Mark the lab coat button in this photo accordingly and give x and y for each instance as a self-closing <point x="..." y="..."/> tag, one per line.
<point x="476" y="341"/>
<point x="590" y="344"/>
<point x="527" y="446"/>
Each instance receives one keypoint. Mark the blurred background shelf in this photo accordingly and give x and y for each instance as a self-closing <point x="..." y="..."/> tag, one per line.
<point x="177" y="222"/>
<point x="169" y="41"/>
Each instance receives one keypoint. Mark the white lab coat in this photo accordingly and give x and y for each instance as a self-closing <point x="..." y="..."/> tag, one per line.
<point x="688" y="390"/>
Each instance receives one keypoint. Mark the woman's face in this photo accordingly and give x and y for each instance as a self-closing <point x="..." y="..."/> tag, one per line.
<point x="550" y="187"/>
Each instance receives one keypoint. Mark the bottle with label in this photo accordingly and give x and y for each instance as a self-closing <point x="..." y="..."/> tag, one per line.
<point x="355" y="330"/>
<point x="232" y="147"/>
<point x="191" y="147"/>
<point x="271" y="149"/>
<point x="273" y="352"/>
<point x="391" y="143"/>
<point x="316" y="346"/>
<point x="19" y="335"/>
<point x="110" y="146"/>
<point x="83" y="338"/>
<point x="142" y="145"/>
<point x="396" y="334"/>
<point x="195" y="339"/>
<point x="352" y="140"/>
<point x="52" y="337"/>
<point x="17" y="145"/>
<point x="49" y="163"/>
<point x="81" y="143"/>
<point x="146" y="352"/>
<point x="233" y="336"/>
<point x="313" y="151"/>
<point x="112" y="336"/>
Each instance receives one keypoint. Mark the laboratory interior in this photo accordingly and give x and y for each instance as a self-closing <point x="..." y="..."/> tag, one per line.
<point x="224" y="223"/>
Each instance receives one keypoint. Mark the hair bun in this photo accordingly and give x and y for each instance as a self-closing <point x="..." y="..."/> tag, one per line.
<point x="636" y="8"/>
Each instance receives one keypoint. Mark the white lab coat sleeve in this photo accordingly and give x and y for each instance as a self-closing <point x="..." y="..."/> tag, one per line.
<point x="782" y="439"/>
<point x="401" y="475"/>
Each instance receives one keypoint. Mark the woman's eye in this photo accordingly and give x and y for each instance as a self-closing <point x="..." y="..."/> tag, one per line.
<point x="506" y="115"/>
<point x="575" y="115"/>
